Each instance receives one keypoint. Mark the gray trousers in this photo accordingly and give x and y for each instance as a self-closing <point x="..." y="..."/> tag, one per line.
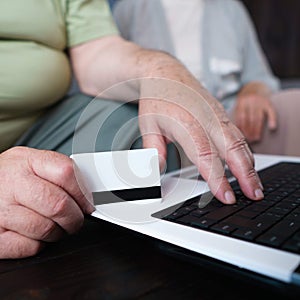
<point x="80" y="124"/>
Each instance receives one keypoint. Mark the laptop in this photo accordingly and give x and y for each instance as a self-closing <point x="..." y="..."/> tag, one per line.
<point x="258" y="238"/>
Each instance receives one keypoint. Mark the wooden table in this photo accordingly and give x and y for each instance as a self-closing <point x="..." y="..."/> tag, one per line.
<point x="105" y="261"/>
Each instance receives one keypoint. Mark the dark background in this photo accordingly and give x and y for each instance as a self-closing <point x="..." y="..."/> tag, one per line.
<point x="278" y="26"/>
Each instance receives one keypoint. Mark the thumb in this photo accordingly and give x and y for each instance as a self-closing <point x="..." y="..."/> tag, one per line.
<point x="157" y="141"/>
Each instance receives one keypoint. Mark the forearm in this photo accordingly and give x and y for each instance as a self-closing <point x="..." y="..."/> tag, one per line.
<point x="100" y="64"/>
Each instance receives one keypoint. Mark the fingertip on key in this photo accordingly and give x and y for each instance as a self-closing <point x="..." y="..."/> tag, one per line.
<point x="259" y="194"/>
<point x="230" y="197"/>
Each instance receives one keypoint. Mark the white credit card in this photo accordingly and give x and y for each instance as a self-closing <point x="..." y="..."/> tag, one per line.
<point x="118" y="176"/>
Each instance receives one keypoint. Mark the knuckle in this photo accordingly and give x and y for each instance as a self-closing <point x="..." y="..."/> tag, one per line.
<point x="208" y="159"/>
<point x="238" y="144"/>
<point x="251" y="174"/>
<point x="15" y="151"/>
<point x="32" y="227"/>
<point x="60" y="205"/>
<point x="40" y="228"/>
<point x="46" y="229"/>
<point x="207" y="155"/>
<point x="63" y="164"/>
<point x="66" y="215"/>
<point x="66" y="169"/>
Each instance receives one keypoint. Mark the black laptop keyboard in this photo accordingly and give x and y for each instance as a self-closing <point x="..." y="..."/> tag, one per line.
<point x="273" y="221"/>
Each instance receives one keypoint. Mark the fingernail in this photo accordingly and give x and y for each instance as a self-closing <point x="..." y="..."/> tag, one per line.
<point x="259" y="194"/>
<point x="229" y="197"/>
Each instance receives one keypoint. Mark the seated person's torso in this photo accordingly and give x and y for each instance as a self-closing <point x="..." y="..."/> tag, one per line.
<point x="34" y="69"/>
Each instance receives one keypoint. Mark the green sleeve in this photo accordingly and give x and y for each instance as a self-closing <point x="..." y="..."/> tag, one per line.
<point x="87" y="20"/>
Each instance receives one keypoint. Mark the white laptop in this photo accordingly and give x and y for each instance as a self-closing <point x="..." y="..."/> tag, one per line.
<point x="240" y="235"/>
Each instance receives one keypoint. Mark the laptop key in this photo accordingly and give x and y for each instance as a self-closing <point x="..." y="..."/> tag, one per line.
<point x="256" y="208"/>
<point x="237" y="221"/>
<point x="175" y="215"/>
<point x="288" y="227"/>
<point x="247" y="233"/>
<point x="204" y="222"/>
<point x="197" y="222"/>
<point x="277" y="211"/>
<point x="248" y="214"/>
<point x="271" y="239"/>
<point x="264" y="222"/>
<point x="199" y="213"/>
<point x="223" y="227"/>
<point x="224" y="212"/>
<point x="292" y="245"/>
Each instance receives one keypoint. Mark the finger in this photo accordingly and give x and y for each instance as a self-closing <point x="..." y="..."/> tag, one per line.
<point x="240" y="160"/>
<point x="59" y="170"/>
<point x="272" y="118"/>
<point x="151" y="133"/>
<point x="197" y="146"/>
<point x="256" y="125"/>
<point x="243" y="122"/>
<point x="157" y="141"/>
<point x="230" y="145"/>
<point x="30" y="224"/>
<point x="14" y="245"/>
<point x="50" y="201"/>
<point x="212" y="170"/>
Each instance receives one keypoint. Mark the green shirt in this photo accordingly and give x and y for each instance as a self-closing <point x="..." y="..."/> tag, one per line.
<point x="34" y="68"/>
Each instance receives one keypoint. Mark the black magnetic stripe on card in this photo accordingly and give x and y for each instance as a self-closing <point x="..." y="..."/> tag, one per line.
<point x="106" y="197"/>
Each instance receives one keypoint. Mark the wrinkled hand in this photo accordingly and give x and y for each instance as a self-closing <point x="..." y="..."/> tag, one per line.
<point x="171" y="111"/>
<point x="251" y="111"/>
<point x="40" y="200"/>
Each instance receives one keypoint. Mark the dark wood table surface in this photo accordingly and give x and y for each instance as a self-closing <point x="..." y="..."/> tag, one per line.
<point x="105" y="261"/>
